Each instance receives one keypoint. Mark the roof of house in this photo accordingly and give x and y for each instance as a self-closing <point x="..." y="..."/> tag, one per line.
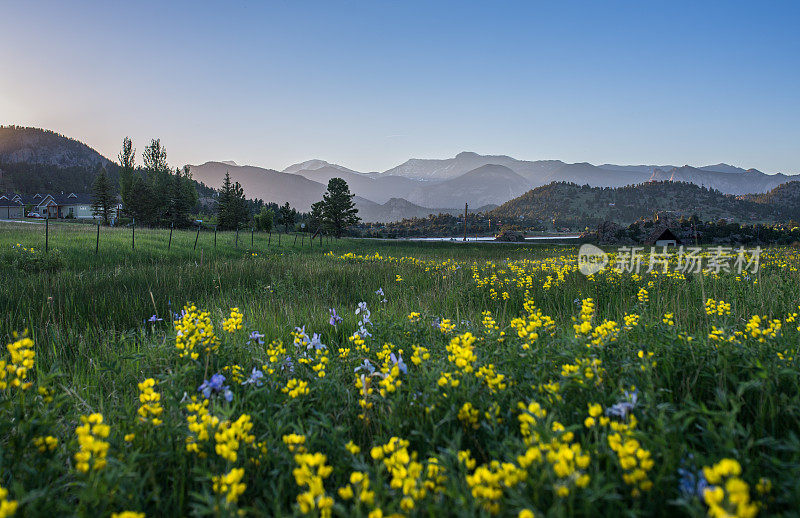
<point x="9" y="200"/>
<point x="660" y="233"/>
<point x="73" y="198"/>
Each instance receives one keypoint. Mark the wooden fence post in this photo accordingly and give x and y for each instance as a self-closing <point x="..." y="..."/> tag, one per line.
<point x="171" y="226"/>
<point x="279" y="238"/>
<point x="133" y="235"/>
<point x="237" y="236"/>
<point x="252" y="233"/>
<point x="295" y="239"/>
<point x="47" y="231"/>
<point x="197" y="236"/>
<point x="215" y="237"/>
<point x="97" y="243"/>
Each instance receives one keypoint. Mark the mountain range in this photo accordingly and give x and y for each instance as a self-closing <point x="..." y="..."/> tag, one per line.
<point x="414" y="188"/>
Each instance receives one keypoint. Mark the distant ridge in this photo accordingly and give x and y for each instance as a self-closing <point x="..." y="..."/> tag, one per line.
<point x="35" y="159"/>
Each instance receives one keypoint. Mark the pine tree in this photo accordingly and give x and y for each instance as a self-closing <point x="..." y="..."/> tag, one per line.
<point x="231" y="205"/>
<point x="127" y="159"/>
<point x="338" y="209"/>
<point x="288" y="216"/>
<point x="102" y="197"/>
<point x="315" y="217"/>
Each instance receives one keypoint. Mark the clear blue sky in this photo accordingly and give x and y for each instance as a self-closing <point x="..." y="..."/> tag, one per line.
<point x="370" y="84"/>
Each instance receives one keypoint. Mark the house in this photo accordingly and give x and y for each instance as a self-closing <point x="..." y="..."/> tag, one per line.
<point x="662" y="236"/>
<point x="77" y="206"/>
<point x="10" y="208"/>
<point x="64" y="205"/>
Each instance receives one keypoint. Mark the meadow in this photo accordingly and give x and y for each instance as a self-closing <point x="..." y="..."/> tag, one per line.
<point x="376" y="378"/>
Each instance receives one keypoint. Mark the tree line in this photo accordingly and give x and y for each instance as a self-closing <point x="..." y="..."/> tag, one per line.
<point x="155" y="195"/>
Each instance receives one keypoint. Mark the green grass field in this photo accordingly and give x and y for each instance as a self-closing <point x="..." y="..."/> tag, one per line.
<point x="524" y="386"/>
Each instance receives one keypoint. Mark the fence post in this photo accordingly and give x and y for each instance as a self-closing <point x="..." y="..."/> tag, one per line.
<point x="47" y="230"/>
<point x="302" y="239"/>
<point x="295" y="239"/>
<point x="97" y="244"/>
<point x="133" y="235"/>
<point x="269" y="239"/>
<point x="215" y="237"/>
<point x="279" y="238"/>
<point x="237" y="236"/>
<point x="252" y="233"/>
<point x="171" y="226"/>
<point x="197" y="236"/>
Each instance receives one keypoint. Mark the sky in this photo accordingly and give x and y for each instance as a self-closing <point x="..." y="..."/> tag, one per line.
<point x="371" y="84"/>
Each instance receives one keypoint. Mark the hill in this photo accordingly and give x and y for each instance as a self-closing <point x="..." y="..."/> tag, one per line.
<point x="577" y="206"/>
<point x="488" y="184"/>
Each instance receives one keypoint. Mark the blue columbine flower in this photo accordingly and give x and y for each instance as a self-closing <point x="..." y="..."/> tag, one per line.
<point x="256" y="378"/>
<point x="316" y="343"/>
<point x="215" y="385"/>
<point x="256" y="337"/>
<point x="335" y="318"/>
<point x="365" y="366"/>
<point x="154" y="319"/>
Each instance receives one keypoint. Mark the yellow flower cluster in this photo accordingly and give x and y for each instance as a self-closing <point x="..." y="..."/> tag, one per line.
<point x="92" y="448"/>
<point x="528" y="418"/>
<point x="235" y="373"/>
<point x="310" y="473"/>
<point x="754" y="329"/>
<point x="7" y="507"/>
<point x="728" y="495"/>
<point x="635" y="462"/>
<point x="420" y="355"/>
<point x="45" y="444"/>
<point x="445" y="326"/>
<point x="364" y="386"/>
<point x="584" y="370"/>
<point x="630" y="321"/>
<point x="150" y="408"/>
<point x="489" y="323"/>
<point x="717" y="307"/>
<point x="234" y="322"/>
<point x="201" y="424"/>
<point x="230" y="435"/>
<point x="322" y="362"/>
<point x="413" y="317"/>
<point x="583" y="325"/>
<point x="230" y="485"/>
<point x="295" y="388"/>
<point x="488" y="481"/>
<point x="530" y="329"/>
<point x="21" y="360"/>
<point x="194" y="332"/>
<point x="126" y="514"/>
<point x="468" y="415"/>
<point x="295" y="443"/>
<point x="496" y="382"/>
<point x="643" y="296"/>
<point x="408" y="474"/>
<point x="461" y="352"/>
<point x="359" y="485"/>
<point x="606" y="333"/>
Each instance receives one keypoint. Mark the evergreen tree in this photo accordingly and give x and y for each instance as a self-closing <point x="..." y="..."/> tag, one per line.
<point x="127" y="159"/>
<point x="288" y="216"/>
<point x="231" y="205"/>
<point x="315" y="217"/>
<point x="140" y="200"/>
<point x="338" y="209"/>
<point x="102" y="197"/>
